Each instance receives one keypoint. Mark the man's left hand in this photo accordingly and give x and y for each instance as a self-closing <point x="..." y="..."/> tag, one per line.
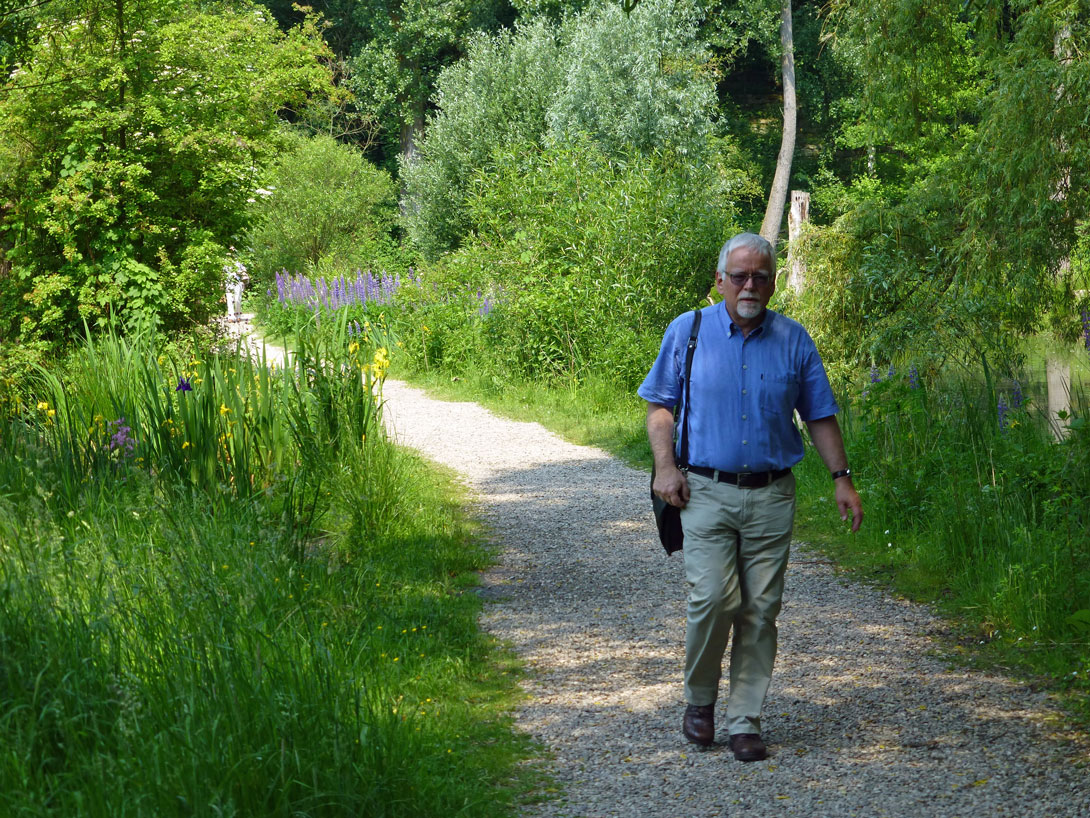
<point x="847" y="500"/>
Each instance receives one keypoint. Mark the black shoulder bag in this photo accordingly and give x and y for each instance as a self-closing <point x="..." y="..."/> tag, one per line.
<point x="668" y="517"/>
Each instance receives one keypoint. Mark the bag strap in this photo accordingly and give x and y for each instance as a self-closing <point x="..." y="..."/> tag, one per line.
<point x="689" y="350"/>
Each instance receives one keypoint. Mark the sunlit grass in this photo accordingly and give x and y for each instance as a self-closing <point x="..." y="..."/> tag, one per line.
<point x="257" y="608"/>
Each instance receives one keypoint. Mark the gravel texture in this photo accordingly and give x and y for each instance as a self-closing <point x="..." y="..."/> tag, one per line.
<point x="864" y="716"/>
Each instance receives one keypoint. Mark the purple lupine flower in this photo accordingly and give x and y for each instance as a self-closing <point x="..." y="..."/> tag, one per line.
<point x="485" y="308"/>
<point x="874" y="376"/>
<point x="183" y="385"/>
<point x="1017" y="398"/>
<point x="892" y="372"/>
<point x="913" y="377"/>
<point x="121" y="439"/>
<point x="1001" y="412"/>
<point x="1086" y="328"/>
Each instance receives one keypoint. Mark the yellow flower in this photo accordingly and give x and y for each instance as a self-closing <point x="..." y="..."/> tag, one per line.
<point x="43" y="406"/>
<point x="185" y="445"/>
<point x="353" y="348"/>
<point x="223" y="409"/>
<point x="51" y="412"/>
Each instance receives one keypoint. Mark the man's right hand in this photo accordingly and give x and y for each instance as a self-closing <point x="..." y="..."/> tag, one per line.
<point x="672" y="486"/>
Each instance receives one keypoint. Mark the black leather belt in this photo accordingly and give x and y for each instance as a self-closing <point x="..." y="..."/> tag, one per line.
<point x="744" y="480"/>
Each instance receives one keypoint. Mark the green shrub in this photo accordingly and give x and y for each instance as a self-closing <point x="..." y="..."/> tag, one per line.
<point x="628" y="82"/>
<point x="128" y="139"/>
<point x="324" y="209"/>
<point x="587" y="287"/>
<point x="498" y="94"/>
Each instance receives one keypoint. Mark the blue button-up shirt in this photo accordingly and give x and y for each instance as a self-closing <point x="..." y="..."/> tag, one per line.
<point x="744" y="390"/>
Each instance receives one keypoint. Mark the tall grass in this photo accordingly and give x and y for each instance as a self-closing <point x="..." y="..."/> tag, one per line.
<point x="971" y="501"/>
<point x="237" y="598"/>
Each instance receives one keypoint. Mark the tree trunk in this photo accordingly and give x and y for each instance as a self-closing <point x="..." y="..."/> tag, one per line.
<point x="411" y="131"/>
<point x="777" y="198"/>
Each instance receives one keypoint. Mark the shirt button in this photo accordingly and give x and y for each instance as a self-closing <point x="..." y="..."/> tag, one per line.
<point x="745" y="442"/>
<point x="744" y="366"/>
<point x="744" y="392"/>
<point x="743" y="417"/>
<point x="745" y="465"/>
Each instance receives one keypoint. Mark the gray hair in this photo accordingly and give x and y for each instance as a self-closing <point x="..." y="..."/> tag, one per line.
<point x="749" y="241"/>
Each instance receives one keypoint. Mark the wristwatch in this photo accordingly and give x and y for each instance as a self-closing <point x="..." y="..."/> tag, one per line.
<point x="842" y="473"/>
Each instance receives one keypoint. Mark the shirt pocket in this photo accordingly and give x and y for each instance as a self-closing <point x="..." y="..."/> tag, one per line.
<point x="779" y="394"/>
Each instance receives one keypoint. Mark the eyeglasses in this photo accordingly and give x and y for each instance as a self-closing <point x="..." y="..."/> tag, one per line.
<point x="740" y="279"/>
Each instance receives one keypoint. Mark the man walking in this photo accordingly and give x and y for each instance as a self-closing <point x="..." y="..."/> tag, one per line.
<point x="752" y="369"/>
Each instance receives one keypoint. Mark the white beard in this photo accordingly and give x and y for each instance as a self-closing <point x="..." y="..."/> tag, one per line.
<point x="748" y="309"/>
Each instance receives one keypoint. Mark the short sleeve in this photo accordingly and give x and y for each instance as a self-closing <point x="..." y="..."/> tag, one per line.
<point x="663" y="383"/>
<point x="816" y="398"/>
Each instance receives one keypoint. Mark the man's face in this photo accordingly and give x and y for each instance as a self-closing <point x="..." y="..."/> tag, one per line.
<point x="747" y="301"/>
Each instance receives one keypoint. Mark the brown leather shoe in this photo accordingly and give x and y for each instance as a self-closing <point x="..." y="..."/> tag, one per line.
<point x="748" y="747"/>
<point x="699" y="724"/>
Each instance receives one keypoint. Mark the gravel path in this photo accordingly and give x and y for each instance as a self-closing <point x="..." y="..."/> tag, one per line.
<point x="864" y="718"/>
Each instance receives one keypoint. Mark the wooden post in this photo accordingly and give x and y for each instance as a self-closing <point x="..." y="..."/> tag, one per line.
<point x="1058" y="375"/>
<point x="796" y="218"/>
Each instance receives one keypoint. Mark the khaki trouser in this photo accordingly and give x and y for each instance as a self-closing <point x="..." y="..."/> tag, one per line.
<point x="736" y="547"/>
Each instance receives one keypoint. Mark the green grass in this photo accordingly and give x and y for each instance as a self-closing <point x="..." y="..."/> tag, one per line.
<point x="277" y="623"/>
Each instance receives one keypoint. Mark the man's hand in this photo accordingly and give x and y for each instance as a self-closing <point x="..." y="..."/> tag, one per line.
<point x="825" y="433"/>
<point x="670" y="483"/>
<point x="847" y="500"/>
<point x="672" y="486"/>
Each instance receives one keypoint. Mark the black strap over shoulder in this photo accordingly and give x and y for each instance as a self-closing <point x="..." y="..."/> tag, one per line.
<point x="689" y="351"/>
<point x="668" y="517"/>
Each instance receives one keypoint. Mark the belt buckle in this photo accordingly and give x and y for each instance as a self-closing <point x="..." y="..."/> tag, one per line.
<point x="746" y="480"/>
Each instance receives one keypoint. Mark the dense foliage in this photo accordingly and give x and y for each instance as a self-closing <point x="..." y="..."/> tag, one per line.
<point x="586" y="289"/>
<point x="640" y="82"/>
<point x="968" y="227"/>
<point x="322" y="208"/>
<point x="130" y="133"/>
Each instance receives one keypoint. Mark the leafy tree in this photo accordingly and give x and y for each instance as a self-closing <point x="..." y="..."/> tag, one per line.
<point x="640" y="79"/>
<point x="323" y="207"/>
<point x="402" y="46"/>
<point x="628" y="82"/>
<point x="130" y="139"/>
<point x="965" y="236"/>
<point x="498" y="95"/>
